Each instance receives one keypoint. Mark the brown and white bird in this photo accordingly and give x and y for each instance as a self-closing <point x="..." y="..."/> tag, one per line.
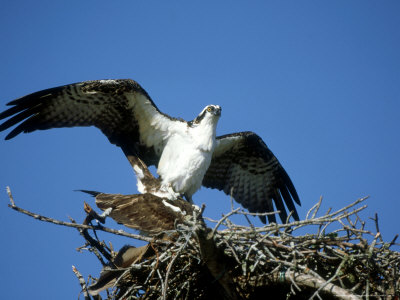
<point x="187" y="154"/>
<point x="145" y="212"/>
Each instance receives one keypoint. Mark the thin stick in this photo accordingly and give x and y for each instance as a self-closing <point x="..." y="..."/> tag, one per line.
<point x="75" y="225"/>
<point x="81" y="282"/>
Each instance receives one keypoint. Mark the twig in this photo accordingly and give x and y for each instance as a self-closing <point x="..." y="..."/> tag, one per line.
<point x="223" y="219"/>
<point x="315" y="207"/>
<point x="10" y="196"/>
<point x="81" y="282"/>
<point x="80" y="226"/>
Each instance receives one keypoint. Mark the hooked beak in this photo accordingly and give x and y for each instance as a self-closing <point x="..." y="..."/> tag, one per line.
<point x="218" y="110"/>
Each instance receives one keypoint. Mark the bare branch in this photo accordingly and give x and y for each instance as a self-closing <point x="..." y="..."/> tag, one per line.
<point x="81" y="282"/>
<point x="80" y="226"/>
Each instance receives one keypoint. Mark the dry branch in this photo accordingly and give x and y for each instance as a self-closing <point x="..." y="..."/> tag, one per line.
<point x="73" y="224"/>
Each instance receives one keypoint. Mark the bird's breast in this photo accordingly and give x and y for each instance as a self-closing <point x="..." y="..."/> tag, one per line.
<point x="183" y="165"/>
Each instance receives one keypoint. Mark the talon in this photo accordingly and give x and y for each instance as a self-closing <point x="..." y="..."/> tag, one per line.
<point x="106" y="213"/>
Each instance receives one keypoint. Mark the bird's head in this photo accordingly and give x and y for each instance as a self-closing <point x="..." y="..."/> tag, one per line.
<point x="210" y="112"/>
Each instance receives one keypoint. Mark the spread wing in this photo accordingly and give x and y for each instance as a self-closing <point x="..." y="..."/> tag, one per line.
<point x="120" y="108"/>
<point x="126" y="256"/>
<point x="242" y="165"/>
<point x="145" y="212"/>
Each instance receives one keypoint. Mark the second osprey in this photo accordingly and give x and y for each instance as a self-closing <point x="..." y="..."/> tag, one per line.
<point x="187" y="154"/>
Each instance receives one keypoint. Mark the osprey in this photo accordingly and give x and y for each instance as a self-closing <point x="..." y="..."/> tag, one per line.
<point x="145" y="212"/>
<point x="187" y="154"/>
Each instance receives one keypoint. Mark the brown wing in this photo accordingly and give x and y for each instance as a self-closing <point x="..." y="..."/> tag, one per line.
<point x="126" y="256"/>
<point x="243" y="165"/>
<point x="145" y="212"/>
<point x="120" y="108"/>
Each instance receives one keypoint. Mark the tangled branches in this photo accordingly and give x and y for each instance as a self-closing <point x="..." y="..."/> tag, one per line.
<point x="247" y="262"/>
<point x="342" y="263"/>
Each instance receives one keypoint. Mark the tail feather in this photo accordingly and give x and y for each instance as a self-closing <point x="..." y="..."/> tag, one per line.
<point x="93" y="193"/>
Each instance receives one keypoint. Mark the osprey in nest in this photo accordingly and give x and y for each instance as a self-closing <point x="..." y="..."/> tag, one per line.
<point x="187" y="154"/>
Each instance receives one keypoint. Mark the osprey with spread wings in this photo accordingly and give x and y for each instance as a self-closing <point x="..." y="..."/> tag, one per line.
<point x="187" y="154"/>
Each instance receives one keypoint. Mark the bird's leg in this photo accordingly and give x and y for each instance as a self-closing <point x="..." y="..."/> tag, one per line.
<point x="169" y="191"/>
<point x="189" y="199"/>
<point x="106" y="213"/>
<point x="173" y="194"/>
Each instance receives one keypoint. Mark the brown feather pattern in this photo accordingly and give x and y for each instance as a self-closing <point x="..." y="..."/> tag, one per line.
<point x="247" y="169"/>
<point x="99" y="103"/>
<point x="144" y="212"/>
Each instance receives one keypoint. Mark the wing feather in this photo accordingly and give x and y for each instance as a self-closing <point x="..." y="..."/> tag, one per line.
<point x="120" y="108"/>
<point x="145" y="212"/>
<point x="243" y="165"/>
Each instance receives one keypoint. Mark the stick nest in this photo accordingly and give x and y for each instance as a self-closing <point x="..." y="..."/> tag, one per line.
<point x="247" y="262"/>
<point x="232" y="261"/>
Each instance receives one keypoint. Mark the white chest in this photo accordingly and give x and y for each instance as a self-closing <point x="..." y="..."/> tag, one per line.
<point x="184" y="162"/>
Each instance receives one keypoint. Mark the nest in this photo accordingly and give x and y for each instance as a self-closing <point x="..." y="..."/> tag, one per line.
<point x="247" y="262"/>
<point x="233" y="261"/>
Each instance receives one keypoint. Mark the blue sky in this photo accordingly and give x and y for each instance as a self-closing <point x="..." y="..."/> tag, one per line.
<point x="319" y="81"/>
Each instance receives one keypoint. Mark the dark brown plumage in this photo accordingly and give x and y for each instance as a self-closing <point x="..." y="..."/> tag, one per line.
<point x="145" y="212"/>
<point x="244" y="167"/>
<point x="100" y="103"/>
<point x="126" y="256"/>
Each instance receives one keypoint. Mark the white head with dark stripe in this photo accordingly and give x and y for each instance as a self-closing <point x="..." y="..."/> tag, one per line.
<point x="210" y="113"/>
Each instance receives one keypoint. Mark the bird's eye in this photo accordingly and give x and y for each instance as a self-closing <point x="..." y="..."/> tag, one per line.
<point x="209" y="109"/>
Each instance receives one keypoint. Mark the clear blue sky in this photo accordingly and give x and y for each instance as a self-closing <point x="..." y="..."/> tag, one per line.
<point x="319" y="81"/>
